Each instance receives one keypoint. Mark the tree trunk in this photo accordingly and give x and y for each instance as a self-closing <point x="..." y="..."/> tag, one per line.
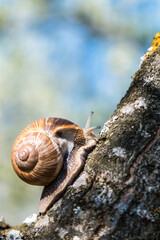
<point x="117" y="195"/>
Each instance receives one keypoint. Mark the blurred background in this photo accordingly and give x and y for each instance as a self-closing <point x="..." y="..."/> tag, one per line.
<point x="64" y="58"/>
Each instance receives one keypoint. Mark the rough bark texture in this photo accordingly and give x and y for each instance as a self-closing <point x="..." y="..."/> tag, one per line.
<point x="117" y="195"/>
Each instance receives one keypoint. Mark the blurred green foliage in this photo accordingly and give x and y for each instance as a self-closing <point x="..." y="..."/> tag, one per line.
<point x="63" y="58"/>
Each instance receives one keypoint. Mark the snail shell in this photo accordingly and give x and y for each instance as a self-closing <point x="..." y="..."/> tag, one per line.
<point x="37" y="155"/>
<point x="51" y="152"/>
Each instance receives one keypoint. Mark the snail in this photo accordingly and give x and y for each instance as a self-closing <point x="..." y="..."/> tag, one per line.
<point x="51" y="152"/>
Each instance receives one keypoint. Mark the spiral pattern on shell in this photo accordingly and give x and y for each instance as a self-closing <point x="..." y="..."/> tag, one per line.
<point x="36" y="156"/>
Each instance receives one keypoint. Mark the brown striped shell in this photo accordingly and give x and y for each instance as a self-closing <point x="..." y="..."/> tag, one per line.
<point x="36" y="155"/>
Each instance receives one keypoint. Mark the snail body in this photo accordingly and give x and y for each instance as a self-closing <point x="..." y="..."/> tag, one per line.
<point x="51" y="152"/>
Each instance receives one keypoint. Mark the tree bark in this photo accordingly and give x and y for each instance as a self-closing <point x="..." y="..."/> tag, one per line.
<point x="117" y="195"/>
